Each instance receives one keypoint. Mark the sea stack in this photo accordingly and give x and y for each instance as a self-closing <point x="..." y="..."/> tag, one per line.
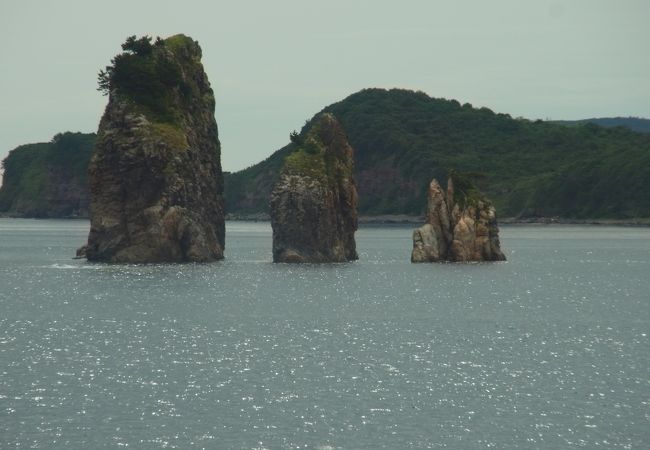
<point x="461" y="225"/>
<point x="156" y="186"/>
<point x="314" y="202"/>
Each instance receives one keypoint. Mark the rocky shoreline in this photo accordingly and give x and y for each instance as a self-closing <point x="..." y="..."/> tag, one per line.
<point x="399" y="219"/>
<point x="403" y="219"/>
<point x="640" y="222"/>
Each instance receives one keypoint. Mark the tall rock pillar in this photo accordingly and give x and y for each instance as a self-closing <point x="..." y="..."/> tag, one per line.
<point x="314" y="203"/>
<point x="156" y="186"/>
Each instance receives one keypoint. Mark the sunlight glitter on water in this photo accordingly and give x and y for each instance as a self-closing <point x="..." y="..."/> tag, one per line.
<point x="548" y="350"/>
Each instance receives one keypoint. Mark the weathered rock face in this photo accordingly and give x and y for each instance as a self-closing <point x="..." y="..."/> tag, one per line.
<point x="314" y="203"/>
<point x="155" y="179"/>
<point x="461" y="226"/>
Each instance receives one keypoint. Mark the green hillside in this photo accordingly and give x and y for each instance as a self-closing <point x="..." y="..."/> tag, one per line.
<point x="403" y="138"/>
<point x="48" y="179"/>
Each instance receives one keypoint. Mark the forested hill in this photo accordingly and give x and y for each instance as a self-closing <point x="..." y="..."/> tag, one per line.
<point x="48" y="179"/>
<point x="403" y="138"/>
<point x="633" y="123"/>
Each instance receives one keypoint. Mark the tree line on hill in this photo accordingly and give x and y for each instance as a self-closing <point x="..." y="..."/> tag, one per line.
<point x="402" y="139"/>
<point x="48" y="179"/>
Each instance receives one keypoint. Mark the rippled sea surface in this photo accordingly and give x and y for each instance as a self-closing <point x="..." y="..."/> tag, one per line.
<point x="547" y="350"/>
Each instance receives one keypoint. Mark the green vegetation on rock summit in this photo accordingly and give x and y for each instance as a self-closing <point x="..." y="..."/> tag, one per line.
<point x="150" y="75"/>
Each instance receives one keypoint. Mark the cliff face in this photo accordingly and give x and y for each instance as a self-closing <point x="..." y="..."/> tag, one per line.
<point x="66" y="194"/>
<point x="314" y="203"/>
<point x="155" y="179"/>
<point x="460" y="225"/>
<point x="57" y="193"/>
<point x="48" y="179"/>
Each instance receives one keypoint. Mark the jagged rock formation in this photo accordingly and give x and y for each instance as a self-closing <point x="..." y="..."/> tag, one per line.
<point x="314" y="203"/>
<point x="460" y="226"/>
<point x="155" y="179"/>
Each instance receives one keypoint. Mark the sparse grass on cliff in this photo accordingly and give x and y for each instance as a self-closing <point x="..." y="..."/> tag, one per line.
<point x="171" y="134"/>
<point x="304" y="163"/>
<point x="310" y="157"/>
<point x="179" y="42"/>
<point x="465" y="191"/>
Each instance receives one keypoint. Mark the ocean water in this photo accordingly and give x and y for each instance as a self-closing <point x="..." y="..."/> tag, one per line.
<point x="547" y="350"/>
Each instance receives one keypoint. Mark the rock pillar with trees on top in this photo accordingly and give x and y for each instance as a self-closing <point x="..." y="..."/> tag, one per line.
<point x="314" y="202"/>
<point x="156" y="185"/>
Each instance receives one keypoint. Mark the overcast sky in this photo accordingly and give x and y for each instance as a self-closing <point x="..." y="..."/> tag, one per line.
<point x="273" y="64"/>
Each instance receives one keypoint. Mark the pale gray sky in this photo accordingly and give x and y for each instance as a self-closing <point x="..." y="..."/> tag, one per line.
<point x="273" y="64"/>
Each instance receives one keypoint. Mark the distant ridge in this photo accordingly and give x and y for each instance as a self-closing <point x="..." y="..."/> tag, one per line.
<point x="566" y="170"/>
<point x="637" y="124"/>
<point x="49" y="179"/>
<point x="402" y="139"/>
